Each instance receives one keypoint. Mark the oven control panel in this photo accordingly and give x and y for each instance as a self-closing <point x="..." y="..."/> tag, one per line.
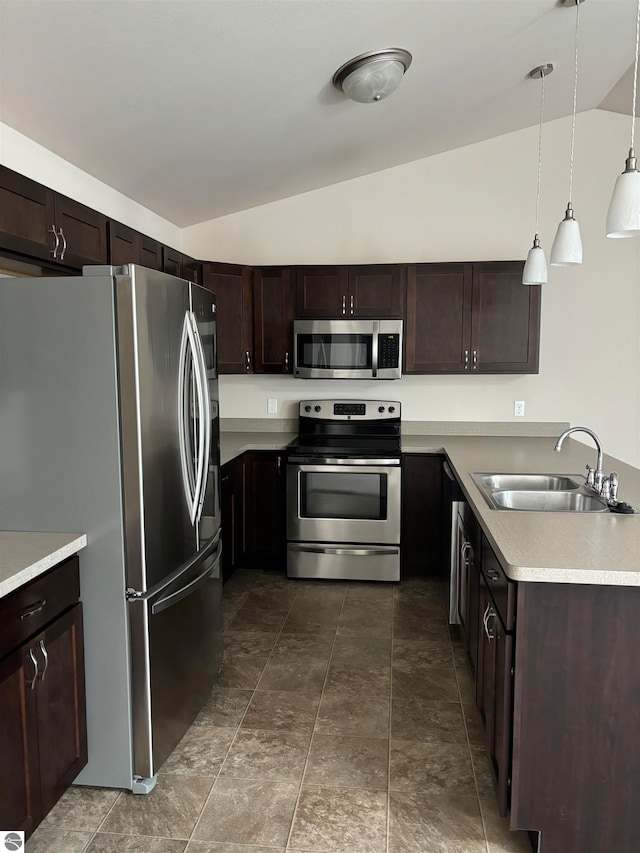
<point x="337" y="410"/>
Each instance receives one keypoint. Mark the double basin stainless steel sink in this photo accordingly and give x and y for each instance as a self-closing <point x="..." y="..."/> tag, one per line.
<point x="539" y="493"/>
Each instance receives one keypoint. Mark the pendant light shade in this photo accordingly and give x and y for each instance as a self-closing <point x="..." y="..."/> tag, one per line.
<point x="535" y="268"/>
<point x="567" y="246"/>
<point x="623" y="216"/>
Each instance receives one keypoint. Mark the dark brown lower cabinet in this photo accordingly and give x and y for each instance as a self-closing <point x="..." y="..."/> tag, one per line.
<point x="43" y="737"/>
<point x="494" y="676"/>
<point x="421" y="533"/>
<point x="264" y="509"/>
<point x="232" y="499"/>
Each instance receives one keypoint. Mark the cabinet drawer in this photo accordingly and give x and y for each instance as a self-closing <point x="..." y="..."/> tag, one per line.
<point x="502" y="590"/>
<point x="27" y="610"/>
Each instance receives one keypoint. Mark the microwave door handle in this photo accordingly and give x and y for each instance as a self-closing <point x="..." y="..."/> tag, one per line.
<point x="374" y="349"/>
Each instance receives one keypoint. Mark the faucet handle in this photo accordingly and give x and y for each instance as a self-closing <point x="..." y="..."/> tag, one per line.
<point x="591" y="475"/>
<point x="613" y="486"/>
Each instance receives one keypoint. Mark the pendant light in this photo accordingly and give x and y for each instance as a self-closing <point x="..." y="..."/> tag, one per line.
<point x="623" y="216"/>
<point x="567" y="246"/>
<point x="535" y="268"/>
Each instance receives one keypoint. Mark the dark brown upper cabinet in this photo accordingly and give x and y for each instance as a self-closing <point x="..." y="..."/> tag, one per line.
<point x="273" y="311"/>
<point x="370" y="290"/>
<point x="127" y="246"/>
<point x="231" y="284"/>
<point x="471" y="318"/>
<point x="37" y="222"/>
<point x="505" y="320"/>
<point x="191" y="269"/>
<point x="376" y="291"/>
<point x="171" y="261"/>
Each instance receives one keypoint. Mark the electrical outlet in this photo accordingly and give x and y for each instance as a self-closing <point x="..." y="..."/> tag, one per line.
<point x="272" y="406"/>
<point x="518" y="408"/>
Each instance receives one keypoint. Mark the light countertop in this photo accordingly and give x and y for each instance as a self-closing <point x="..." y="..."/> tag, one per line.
<point x="553" y="547"/>
<point x="25" y="555"/>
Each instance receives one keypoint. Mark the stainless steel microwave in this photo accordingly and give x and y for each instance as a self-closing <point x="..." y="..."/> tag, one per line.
<point x="347" y="349"/>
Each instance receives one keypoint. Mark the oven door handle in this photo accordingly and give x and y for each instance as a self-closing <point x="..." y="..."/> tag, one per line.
<point x="344" y="552"/>
<point x="317" y="464"/>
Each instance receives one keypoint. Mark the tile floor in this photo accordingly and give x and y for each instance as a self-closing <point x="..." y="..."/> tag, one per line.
<point x="343" y="722"/>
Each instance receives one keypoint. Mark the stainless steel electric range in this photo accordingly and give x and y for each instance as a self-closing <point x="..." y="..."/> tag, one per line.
<point x="343" y="491"/>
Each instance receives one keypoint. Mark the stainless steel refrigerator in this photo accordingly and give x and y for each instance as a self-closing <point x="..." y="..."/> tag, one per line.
<point x="109" y="425"/>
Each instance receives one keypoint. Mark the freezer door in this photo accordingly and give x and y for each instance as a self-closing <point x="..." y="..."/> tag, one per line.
<point x="176" y="644"/>
<point x="204" y="312"/>
<point x="151" y="308"/>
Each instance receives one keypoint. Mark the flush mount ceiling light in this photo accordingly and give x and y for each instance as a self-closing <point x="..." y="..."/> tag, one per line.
<point x="623" y="216"/>
<point x="372" y="76"/>
<point x="567" y="247"/>
<point x="535" y="268"/>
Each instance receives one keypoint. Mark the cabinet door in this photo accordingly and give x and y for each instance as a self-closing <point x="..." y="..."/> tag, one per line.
<point x="273" y="307"/>
<point x="85" y="233"/>
<point x="421" y="534"/>
<point x="494" y="693"/>
<point x="60" y="695"/>
<point x="191" y="269"/>
<point x="149" y="252"/>
<point x="27" y="215"/>
<point x="123" y="244"/>
<point x="322" y="292"/>
<point x="232" y="517"/>
<point x="20" y="804"/>
<point x="438" y="318"/>
<point x="231" y="284"/>
<point x="171" y="261"/>
<point x="472" y="619"/>
<point x="376" y="291"/>
<point x="505" y="329"/>
<point x="264" y="501"/>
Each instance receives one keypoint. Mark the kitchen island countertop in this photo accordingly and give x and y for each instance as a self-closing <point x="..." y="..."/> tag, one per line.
<point x="25" y="555"/>
<point x="553" y="547"/>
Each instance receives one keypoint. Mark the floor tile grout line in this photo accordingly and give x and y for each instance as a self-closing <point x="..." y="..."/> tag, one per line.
<point x="393" y="617"/>
<point x="233" y="739"/>
<point x="466" y="729"/>
<point x="315" y="722"/>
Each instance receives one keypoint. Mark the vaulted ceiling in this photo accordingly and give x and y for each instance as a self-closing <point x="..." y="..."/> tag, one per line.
<point x="199" y="108"/>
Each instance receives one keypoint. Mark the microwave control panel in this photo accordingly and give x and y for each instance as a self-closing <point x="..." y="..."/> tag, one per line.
<point x="388" y="351"/>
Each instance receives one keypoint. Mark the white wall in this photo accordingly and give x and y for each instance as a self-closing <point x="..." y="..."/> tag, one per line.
<point x="21" y="154"/>
<point x="475" y="203"/>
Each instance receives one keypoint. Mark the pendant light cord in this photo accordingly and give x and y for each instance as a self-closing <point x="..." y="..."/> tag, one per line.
<point x="540" y="152"/>
<point x="575" y="104"/>
<point x="635" y="79"/>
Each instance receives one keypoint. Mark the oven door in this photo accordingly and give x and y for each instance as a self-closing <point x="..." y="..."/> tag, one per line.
<point x="351" y="503"/>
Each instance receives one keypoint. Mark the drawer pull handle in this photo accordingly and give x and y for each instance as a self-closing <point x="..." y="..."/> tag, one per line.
<point x="35" y="609"/>
<point x="32" y="683"/>
<point x="45" y="655"/>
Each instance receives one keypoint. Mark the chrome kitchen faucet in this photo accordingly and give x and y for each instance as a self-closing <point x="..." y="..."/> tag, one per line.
<point x="605" y="486"/>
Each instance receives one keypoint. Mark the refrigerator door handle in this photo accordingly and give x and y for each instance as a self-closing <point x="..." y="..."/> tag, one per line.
<point x="192" y="481"/>
<point x="192" y="586"/>
<point x="205" y="552"/>
<point x="206" y="420"/>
